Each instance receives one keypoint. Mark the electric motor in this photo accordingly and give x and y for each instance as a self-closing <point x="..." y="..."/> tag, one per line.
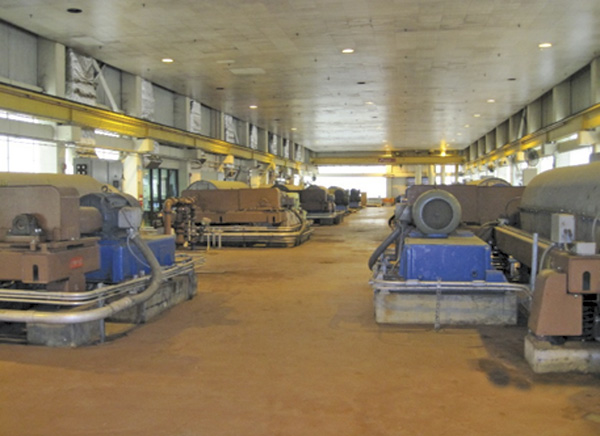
<point x="436" y="212"/>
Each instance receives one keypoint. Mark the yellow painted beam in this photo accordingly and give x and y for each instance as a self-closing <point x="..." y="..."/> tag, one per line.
<point x="69" y="112"/>
<point x="386" y="160"/>
<point x="586" y="120"/>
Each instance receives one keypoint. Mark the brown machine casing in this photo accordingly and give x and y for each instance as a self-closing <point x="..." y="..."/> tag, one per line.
<point x="238" y="206"/>
<point x="58" y="257"/>
<point x="556" y="307"/>
<point x="480" y="204"/>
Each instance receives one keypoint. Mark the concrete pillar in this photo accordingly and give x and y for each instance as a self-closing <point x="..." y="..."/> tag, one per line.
<point x="245" y="139"/>
<point x="181" y="115"/>
<point x="473" y="151"/>
<point x="516" y="127"/>
<point x="221" y="126"/>
<point x="534" y="116"/>
<point x="502" y="134"/>
<point x="132" y="94"/>
<point x="51" y="62"/>
<point x="561" y="101"/>
<point x="595" y="78"/>
<point x="133" y="176"/>
<point x="481" y="147"/>
<point x="490" y="141"/>
<point x="263" y="140"/>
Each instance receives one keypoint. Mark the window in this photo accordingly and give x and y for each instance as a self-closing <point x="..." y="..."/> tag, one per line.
<point x="159" y="184"/>
<point x="20" y="155"/>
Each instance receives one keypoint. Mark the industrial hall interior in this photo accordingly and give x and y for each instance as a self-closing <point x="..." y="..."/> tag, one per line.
<point x="300" y="217"/>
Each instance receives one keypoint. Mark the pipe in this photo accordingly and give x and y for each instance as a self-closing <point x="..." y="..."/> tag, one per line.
<point x="88" y="297"/>
<point x="168" y="211"/>
<point x="534" y="262"/>
<point x="75" y="317"/>
<point x="384" y="245"/>
<point x="454" y="287"/>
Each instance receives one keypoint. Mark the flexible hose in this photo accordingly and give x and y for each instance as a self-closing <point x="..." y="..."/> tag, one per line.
<point x="76" y="317"/>
<point x="547" y="251"/>
<point x="384" y="245"/>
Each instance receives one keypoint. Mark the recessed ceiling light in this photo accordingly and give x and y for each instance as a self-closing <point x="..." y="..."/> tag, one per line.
<point x="467" y="126"/>
<point x="476" y="115"/>
<point x="167" y="60"/>
<point x="74" y="11"/>
<point x="545" y="45"/>
<point x="293" y="129"/>
<point x="491" y="100"/>
<point x="369" y="103"/>
<point x="253" y="106"/>
<point x="348" y="51"/>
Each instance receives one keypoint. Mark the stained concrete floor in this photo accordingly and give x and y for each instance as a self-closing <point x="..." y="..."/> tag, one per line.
<point x="283" y="342"/>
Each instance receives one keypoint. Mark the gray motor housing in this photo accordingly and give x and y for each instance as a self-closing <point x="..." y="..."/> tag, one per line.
<point x="436" y="212"/>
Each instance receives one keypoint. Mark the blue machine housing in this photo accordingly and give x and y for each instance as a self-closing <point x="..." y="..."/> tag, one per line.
<point x="120" y="261"/>
<point x="459" y="257"/>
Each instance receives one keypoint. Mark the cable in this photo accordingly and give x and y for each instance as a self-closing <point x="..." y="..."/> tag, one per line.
<point x="130" y="235"/>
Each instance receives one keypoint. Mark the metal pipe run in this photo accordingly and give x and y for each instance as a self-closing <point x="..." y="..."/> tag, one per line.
<point x="415" y="286"/>
<point x="102" y="293"/>
<point x="75" y="317"/>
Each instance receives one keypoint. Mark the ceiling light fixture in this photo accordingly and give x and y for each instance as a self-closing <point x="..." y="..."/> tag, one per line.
<point x="293" y="129"/>
<point x="467" y="126"/>
<point x="253" y="106"/>
<point x="369" y="103"/>
<point x="348" y="51"/>
<point x="491" y="100"/>
<point x="545" y="45"/>
<point x="476" y="115"/>
<point x="167" y="60"/>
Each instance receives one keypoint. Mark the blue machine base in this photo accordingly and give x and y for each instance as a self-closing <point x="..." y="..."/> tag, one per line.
<point x="120" y="261"/>
<point x="460" y="257"/>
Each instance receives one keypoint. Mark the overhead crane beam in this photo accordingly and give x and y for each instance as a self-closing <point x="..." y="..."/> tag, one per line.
<point x="385" y="159"/>
<point x="73" y="113"/>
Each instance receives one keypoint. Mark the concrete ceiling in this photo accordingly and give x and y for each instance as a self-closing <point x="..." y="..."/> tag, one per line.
<point x="420" y="71"/>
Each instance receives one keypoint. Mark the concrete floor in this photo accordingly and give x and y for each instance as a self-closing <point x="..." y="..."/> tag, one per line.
<point x="283" y="342"/>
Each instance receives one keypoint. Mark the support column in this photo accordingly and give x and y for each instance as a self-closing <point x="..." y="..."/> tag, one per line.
<point x="133" y="176"/>
<point x="51" y="67"/>
<point x="561" y="101"/>
<point x="419" y="175"/>
<point x="534" y="116"/>
<point x="595" y="78"/>
<point x="132" y="94"/>
<point x="182" y="112"/>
